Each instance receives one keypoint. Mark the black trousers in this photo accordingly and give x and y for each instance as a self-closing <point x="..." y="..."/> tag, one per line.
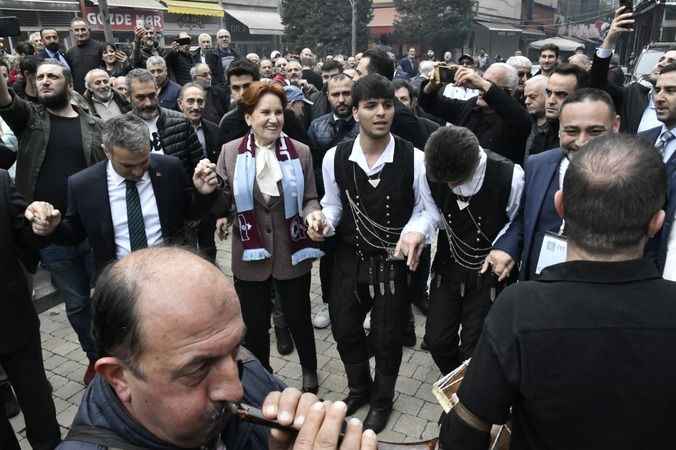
<point x="448" y="310"/>
<point x="26" y="373"/>
<point x="349" y="304"/>
<point x="418" y="285"/>
<point x="205" y="237"/>
<point x="294" y="297"/>
<point x="326" y="264"/>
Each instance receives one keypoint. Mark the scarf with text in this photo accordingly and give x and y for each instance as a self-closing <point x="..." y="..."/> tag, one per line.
<point x="293" y="188"/>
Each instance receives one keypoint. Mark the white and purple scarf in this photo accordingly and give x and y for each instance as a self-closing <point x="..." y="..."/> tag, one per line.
<point x="293" y="187"/>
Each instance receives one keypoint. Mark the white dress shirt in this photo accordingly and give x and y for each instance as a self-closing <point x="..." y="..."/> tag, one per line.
<point x="425" y="213"/>
<point x="117" y="196"/>
<point x="472" y="186"/>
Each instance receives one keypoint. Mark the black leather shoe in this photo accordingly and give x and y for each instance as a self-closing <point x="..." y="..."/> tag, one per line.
<point x="310" y="381"/>
<point x="9" y="401"/>
<point x="284" y="341"/>
<point x="377" y="418"/>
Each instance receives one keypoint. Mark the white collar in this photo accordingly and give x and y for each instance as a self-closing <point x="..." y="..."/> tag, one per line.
<point x="473" y="185"/>
<point x="117" y="180"/>
<point x="357" y="154"/>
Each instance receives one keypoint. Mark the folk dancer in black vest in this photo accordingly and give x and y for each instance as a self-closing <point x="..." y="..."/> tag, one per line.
<point x="372" y="194"/>
<point x="478" y="193"/>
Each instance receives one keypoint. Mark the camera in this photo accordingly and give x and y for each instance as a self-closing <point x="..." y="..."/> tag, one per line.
<point x="446" y="73"/>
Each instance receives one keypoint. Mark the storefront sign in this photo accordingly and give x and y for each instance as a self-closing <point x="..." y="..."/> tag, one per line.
<point x="125" y="19"/>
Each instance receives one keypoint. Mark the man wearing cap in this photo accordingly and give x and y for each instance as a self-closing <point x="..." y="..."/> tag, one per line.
<point x="299" y="104"/>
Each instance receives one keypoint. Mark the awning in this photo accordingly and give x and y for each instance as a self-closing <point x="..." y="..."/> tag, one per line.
<point x="383" y="20"/>
<point x="41" y="5"/>
<point x="194" y="8"/>
<point x="499" y="27"/>
<point x="566" y="45"/>
<point x="135" y="4"/>
<point x="259" y="21"/>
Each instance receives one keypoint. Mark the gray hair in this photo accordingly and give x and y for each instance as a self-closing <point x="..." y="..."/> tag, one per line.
<point x="139" y="75"/>
<point x="426" y="68"/>
<point x="187" y="86"/>
<point x="509" y="74"/>
<point x="92" y="73"/>
<point x="539" y="80"/>
<point x="204" y="34"/>
<point x="155" y="59"/>
<point x="519" y="61"/>
<point x="126" y="131"/>
<point x="193" y="69"/>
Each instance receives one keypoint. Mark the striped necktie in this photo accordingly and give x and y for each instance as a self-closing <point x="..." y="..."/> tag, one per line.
<point x="665" y="138"/>
<point x="137" y="228"/>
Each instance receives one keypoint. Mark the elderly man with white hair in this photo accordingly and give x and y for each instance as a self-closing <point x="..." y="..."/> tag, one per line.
<point x="523" y="67"/>
<point x="254" y="58"/>
<point x="103" y="101"/>
<point x="205" y="54"/>
<point x="425" y="70"/>
<point x="495" y="116"/>
<point x="535" y="98"/>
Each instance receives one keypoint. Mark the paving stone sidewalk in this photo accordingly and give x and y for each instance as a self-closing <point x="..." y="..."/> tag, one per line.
<point x="415" y="412"/>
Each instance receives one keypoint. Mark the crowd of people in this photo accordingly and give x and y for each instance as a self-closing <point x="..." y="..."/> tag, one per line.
<point x="549" y="198"/>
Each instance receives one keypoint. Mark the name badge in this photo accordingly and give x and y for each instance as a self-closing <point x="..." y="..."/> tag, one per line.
<point x="553" y="251"/>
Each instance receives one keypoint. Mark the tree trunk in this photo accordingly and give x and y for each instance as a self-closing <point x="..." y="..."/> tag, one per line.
<point x="353" y="3"/>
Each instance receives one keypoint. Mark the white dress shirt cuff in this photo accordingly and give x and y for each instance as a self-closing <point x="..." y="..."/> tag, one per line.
<point x="604" y="53"/>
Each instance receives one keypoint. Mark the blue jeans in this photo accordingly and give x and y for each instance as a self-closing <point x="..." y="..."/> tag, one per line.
<point x="72" y="270"/>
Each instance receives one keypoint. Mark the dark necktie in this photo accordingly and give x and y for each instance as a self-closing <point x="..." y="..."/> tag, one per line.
<point x="137" y="228"/>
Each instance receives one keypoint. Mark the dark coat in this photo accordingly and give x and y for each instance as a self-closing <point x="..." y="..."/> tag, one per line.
<point x="211" y="138"/>
<point x="505" y="131"/>
<point x="89" y="215"/>
<point x="18" y="319"/>
<point x="217" y="102"/>
<point x="101" y="408"/>
<point x="82" y="59"/>
<point x="178" y="139"/>
<point x="169" y="95"/>
<point x="213" y="61"/>
<point x="630" y="101"/>
<point x="408" y="66"/>
<point x="141" y="54"/>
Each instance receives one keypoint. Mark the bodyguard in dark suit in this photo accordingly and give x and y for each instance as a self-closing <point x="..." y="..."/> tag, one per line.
<point x="408" y="64"/>
<point x="20" y="349"/>
<point x="663" y="138"/>
<point x="584" y="115"/>
<point x="133" y="200"/>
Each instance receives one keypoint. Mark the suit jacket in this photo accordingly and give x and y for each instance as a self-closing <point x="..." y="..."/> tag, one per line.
<point x="271" y="222"/>
<point x="657" y="247"/>
<point x="408" y="66"/>
<point x="518" y="239"/>
<point x="18" y="319"/>
<point x="211" y="138"/>
<point x="89" y="214"/>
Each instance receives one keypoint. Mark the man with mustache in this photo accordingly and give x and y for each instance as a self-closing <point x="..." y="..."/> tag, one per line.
<point x="51" y="48"/>
<point x="56" y="140"/>
<point x="171" y="367"/>
<point x="170" y="133"/>
<point x="586" y="114"/>
<point x="104" y="102"/>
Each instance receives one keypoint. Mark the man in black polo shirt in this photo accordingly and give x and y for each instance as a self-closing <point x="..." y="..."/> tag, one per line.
<point x="584" y="356"/>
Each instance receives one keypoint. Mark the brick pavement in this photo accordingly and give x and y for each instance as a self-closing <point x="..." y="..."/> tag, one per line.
<point x="415" y="412"/>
